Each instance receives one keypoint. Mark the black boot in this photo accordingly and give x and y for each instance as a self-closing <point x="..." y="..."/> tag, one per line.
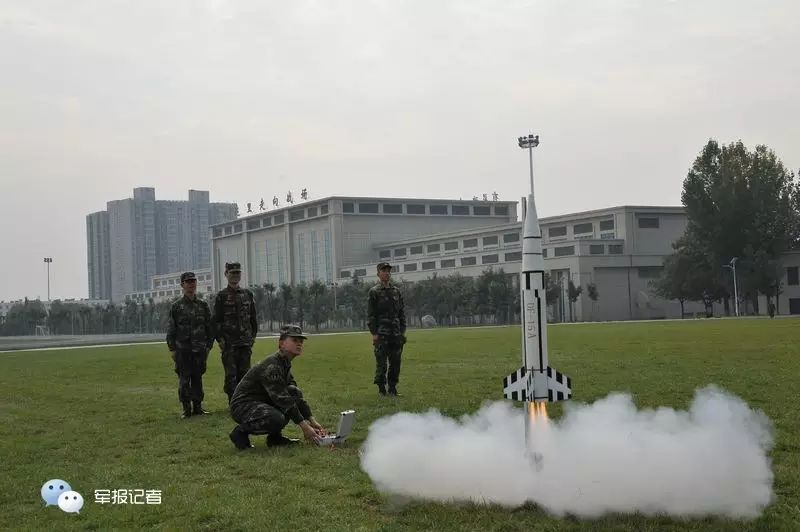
<point x="381" y="389"/>
<point x="393" y="391"/>
<point x="240" y="439"/>
<point x="278" y="440"/>
<point x="198" y="409"/>
<point x="187" y="410"/>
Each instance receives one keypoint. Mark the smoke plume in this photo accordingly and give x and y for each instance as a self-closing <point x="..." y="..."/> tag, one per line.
<point x="604" y="457"/>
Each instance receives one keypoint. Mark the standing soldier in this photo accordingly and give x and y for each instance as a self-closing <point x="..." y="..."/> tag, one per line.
<point x="235" y="325"/>
<point x="387" y="323"/>
<point x="189" y="339"/>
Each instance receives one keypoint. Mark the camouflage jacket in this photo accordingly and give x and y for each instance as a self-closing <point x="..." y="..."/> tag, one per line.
<point x="268" y="382"/>
<point x="189" y="327"/>
<point x="386" y="311"/>
<point x="235" y="321"/>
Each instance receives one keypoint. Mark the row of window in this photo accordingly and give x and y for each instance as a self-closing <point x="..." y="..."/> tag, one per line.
<point x="161" y="293"/>
<point x="582" y="230"/>
<point x="442" y="209"/>
<point x="466" y="244"/>
<point x="594" y="249"/>
<point x="269" y="221"/>
<point x="493" y="258"/>
<point x="173" y="282"/>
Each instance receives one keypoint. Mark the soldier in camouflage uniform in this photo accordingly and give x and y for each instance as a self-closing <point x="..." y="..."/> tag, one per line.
<point x="268" y="397"/>
<point x="235" y="325"/>
<point x="189" y="338"/>
<point x="387" y="323"/>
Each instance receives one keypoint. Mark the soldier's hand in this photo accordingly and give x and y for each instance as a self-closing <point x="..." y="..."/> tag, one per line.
<point x="375" y="339"/>
<point x="316" y="426"/>
<point x="310" y="434"/>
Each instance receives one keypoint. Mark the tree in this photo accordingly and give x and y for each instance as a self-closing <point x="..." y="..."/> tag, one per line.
<point x="285" y="299"/>
<point x="594" y="295"/>
<point x="269" y="296"/>
<point x="573" y="293"/>
<point x="675" y="281"/>
<point x="318" y="308"/>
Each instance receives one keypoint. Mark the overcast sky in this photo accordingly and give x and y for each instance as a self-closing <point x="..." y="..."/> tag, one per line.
<point x="251" y="98"/>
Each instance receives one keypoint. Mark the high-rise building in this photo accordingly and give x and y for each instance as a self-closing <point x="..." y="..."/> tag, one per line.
<point x="147" y="237"/>
<point x="99" y="255"/>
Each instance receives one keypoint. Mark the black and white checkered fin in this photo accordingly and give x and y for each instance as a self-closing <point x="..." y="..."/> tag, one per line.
<point x="559" y="386"/>
<point x="516" y="386"/>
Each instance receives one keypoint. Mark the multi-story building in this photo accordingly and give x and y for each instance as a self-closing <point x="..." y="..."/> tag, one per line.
<point x="146" y="237"/>
<point x="318" y="239"/>
<point x="167" y="287"/>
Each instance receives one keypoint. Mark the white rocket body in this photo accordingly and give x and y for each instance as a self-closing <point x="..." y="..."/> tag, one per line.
<point x="535" y="381"/>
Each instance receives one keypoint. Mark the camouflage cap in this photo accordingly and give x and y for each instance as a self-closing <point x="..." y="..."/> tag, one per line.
<point x="292" y="330"/>
<point x="233" y="267"/>
<point x="383" y="265"/>
<point x="188" y="276"/>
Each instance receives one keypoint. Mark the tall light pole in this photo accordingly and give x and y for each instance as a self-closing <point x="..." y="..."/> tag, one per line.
<point x="48" y="260"/>
<point x="529" y="143"/>
<point x="732" y="266"/>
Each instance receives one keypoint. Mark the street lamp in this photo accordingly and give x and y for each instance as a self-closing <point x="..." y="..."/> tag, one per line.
<point x="48" y="260"/>
<point x="529" y="143"/>
<point x="732" y="266"/>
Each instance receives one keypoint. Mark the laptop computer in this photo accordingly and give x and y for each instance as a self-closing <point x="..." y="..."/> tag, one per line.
<point x="346" y="421"/>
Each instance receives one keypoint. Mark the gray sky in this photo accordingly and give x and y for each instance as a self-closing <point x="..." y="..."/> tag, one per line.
<point x="250" y="98"/>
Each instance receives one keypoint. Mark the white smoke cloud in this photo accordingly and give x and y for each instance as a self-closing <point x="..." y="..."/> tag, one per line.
<point x="598" y="458"/>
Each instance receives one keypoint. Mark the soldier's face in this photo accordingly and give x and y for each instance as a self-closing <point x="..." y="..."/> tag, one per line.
<point x="189" y="287"/>
<point x="234" y="277"/>
<point x="292" y="345"/>
<point x="384" y="275"/>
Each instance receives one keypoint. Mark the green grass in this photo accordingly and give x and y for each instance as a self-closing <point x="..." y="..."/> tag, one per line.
<point x="107" y="418"/>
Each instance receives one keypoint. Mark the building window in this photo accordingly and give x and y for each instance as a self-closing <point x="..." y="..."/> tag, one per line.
<point x="563" y="251"/>
<point x="648" y="223"/>
<point x="481" y="210"/>
<point x="450" y="246"/>
<point x="297" y="214"/>
<point x="237" y="228"/>
<point x="266" y="222"/>
<point x="489" y="241"/>
<point x="448" y="263"/>
<point x="501" y="210"/>
<point x="348" y="207"/>
<point x="597" y="249"/>
<point x="368" y="208"/>
<point x="410" y="267"/>
<point x="469" y="261"/>
<point x="312" y="211"/>
<point x="415" y="208"/>
<point x="510" y="237"/>
<point x="513" y="256"/>
<point x="323" y="209"/>
<point x="429" y="265"/>
<point x="416" y="250"/>
<point x="607" y="236"/>
<point x="460" y="210"/>
<point x="490" y="259"/>
<point x="395" y="269"/>
<point x="470" y="243"/>
<point x="217" y="231"/>
<point x="554" y="232"/>
<point x="361" y="272"/>
<point x="607" y="225"/>
<point x="278" y="219"/>
<point x="792" y="277"/>
<point x="345" y="274"/>
<point x="438" y="209"/>
<point x="580" y="229"/>
<point x="544" y="253"/>
<point x="400" y="252"/>
<point x="615" y="249"/>
<point x="385" y="253"/>
<point x="229" y="230"/>
<point x="433" y="248"/>
<point x="392" y="208"/>
<point x="649" y="272"/>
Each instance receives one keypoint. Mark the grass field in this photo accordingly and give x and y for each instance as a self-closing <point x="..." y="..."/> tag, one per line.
<point x="108" y="418"/>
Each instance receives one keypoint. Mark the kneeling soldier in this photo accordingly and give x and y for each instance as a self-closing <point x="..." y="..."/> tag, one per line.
<point x="268" y="398"/>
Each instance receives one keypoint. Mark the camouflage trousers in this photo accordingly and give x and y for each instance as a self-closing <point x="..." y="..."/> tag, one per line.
<point x="261" y="418"/>
<point x="387" y="361"/>
<point x="190" y="366"/>
<point x="236" y="362"/>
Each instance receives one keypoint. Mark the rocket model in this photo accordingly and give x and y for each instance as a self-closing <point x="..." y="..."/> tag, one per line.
<point x="535" y="381"/>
